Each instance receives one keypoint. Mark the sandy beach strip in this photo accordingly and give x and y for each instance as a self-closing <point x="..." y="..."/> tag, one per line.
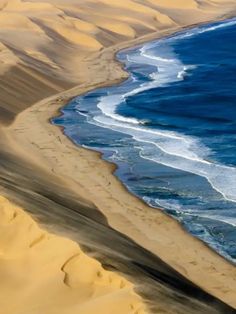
<point x="71" y="191"/>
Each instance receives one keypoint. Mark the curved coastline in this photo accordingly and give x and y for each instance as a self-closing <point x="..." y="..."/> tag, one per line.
<point x="208" y="257"/>
<point x="72" y="106"/>
<point x="61" y="183"/>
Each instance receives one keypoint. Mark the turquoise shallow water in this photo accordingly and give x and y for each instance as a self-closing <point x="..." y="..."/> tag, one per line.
<point x="171" y="128"/>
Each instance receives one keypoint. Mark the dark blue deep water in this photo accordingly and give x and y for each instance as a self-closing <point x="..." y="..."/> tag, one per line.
<point x="171" y="128"/>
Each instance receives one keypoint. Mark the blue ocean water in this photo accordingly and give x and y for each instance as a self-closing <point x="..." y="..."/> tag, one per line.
<point x="171" y="128"/>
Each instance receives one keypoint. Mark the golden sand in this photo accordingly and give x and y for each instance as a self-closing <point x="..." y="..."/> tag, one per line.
<point x="44" y="273"/>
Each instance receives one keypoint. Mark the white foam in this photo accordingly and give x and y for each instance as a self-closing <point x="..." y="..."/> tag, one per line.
<point x="168" y="148"/>
<point x="179" y="152"/>
<point x="204" y="29"/>
<point x="178" y="208"/>
<point x="227" y="220"/>
<point x="168" y="71"/>
<point x="171" y="142"/>
<point x="108" y="105"/>
<point x="221" y="178"/>
<point x="181" y="74"/>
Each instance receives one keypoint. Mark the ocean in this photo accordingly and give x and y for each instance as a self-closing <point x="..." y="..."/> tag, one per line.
<point x="171" y="128"/>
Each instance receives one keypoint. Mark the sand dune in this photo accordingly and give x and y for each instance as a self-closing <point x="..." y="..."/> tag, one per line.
<point x="86" y="25"/>
<point x="46" y="48"/>
<point x="190" y="4"/>
<point x="54" y="37"/>
<point x="43" y="273"/>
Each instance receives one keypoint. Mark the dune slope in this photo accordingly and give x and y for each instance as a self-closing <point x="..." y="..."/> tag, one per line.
<point x="43" y="273"/>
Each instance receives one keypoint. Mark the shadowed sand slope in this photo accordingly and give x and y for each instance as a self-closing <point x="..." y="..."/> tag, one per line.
<point x="46" y="48"/>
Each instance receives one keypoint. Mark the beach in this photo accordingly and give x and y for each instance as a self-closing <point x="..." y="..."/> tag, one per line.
<point x="71" y="191"/>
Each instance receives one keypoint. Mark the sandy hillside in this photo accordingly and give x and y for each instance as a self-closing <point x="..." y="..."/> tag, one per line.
<point x="43" y="273"/>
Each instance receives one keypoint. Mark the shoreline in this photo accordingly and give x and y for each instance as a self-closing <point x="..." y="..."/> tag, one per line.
<point x="41" y="113"/>
<point x="112" y="165"/>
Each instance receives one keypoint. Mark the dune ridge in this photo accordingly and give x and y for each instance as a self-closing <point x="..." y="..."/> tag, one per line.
<point x="64" y="48"/>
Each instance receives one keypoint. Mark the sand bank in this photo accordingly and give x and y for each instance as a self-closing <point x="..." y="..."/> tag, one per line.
<point x="71" y="191"/>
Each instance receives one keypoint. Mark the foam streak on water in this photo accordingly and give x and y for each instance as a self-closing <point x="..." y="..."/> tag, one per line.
<point x="170" y="149"/>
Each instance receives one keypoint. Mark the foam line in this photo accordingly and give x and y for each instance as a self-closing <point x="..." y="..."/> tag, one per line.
<point x="171" y="149"/>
